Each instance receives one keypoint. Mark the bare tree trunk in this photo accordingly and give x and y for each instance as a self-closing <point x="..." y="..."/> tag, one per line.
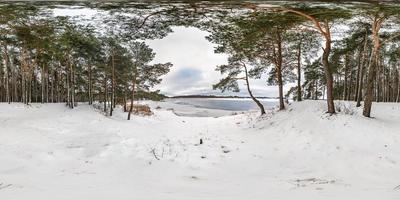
<point x="7" y="74"/>
<point x="132" y="96"/>
<point x="345" y="78"/>
<point x="398" y="86"/>
<point x="363" y="66"/>
<point x="15" y="84"/>
<point x="112" y="102"/>
<point x="105" y="94"/>
<point x="73" y="86"/>
<point x="259" y="104"/>
<point x="52" y="85"/>
<point x="47" y="85"/>
<point x="113" y="81"/>
<point x="372" y="68"/>
<point x="90" y="85"/>
<point x="358" y="74"/>
<point x="58" y="78"/>
<point x="42" y="83"/>
<point x="350" y="84"/>
<point x="279" y="71"/>
<point x="2" y="84"/>
<point x="328" y="73"/>
<point x="299" y="95"/>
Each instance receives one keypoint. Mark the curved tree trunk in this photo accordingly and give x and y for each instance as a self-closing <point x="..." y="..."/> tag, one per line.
<point x="259" y="104"/>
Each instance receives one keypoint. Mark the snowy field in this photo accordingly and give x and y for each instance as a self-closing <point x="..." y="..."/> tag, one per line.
<point x="50" y="152"/>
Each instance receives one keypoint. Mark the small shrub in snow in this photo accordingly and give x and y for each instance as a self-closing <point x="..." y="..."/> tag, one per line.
<point x="345" y="107"/>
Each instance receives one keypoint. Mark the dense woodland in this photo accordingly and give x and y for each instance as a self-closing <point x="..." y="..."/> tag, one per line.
<point x="331" y="51"/>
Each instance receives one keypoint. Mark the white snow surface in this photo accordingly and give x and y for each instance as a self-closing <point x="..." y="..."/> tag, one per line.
<point x="51" y="152"/>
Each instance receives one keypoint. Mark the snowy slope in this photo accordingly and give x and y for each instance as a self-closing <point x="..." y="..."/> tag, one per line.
<point x="52" y="152"/>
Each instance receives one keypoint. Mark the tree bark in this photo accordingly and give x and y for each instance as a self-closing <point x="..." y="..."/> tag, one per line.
<point x="112" y="100"/>
<point x="363" y="66"/>
<point x="7" y="74"/>
<point x="299" y="95"/>
<point x="279" y="70"/>
<point x="90" y="85"/>
<point x="105" y="94"/>
<point x="132" y="96"/>
<point x="328" y="73"/>
<point x="73" y="86"/>
<point x="372" y="67"/>
<point x="396" y="89"/>
<point x="259" y="104"/>
<point x="345" y="84"/>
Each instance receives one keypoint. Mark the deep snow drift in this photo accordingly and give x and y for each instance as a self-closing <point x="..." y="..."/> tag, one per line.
<point x="50" y="152"/>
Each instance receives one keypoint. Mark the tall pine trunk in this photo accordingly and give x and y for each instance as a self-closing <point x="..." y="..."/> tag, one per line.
<point x="372" y="68"/>
<point x="363" y="67"/>
<point x="328" y="73"/>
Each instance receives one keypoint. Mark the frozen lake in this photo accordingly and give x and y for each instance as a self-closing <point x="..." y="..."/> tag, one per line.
<point x="230" y="104"/>
<point x="210" y="107"/>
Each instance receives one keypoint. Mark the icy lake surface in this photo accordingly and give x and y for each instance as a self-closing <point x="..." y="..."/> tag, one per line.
<point x="230" y="104"/>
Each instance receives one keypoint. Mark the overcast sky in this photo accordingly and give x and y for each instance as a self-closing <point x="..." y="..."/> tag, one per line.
<point x="193" y="59"/>
<point x="194" y="63"/>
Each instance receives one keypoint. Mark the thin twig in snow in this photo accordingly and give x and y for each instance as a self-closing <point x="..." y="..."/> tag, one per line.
<point x="154" y="153"/>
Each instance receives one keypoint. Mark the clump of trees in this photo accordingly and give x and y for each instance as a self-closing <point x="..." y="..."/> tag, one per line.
<point x="284" y="42"/>
<point x="51" y="59"/>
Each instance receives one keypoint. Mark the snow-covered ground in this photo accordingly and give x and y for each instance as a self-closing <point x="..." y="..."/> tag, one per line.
<point x="50" y="152"/>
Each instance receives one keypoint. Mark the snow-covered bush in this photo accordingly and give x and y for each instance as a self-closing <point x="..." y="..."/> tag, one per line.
<point x="345" y="107"/>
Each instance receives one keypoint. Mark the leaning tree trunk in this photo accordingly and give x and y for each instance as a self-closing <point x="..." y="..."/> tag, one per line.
<point x="259" y="104"/>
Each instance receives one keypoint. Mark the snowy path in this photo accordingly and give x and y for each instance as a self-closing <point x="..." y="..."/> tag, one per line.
<point x="52" y="152"/>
